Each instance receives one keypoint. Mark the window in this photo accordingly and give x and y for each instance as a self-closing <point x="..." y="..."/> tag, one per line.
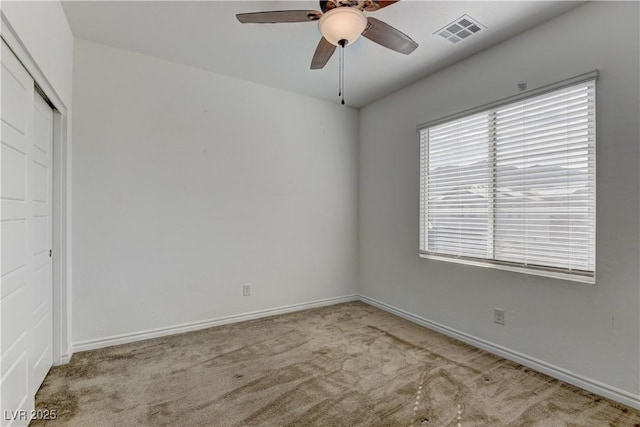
<point x="513" y="185"/>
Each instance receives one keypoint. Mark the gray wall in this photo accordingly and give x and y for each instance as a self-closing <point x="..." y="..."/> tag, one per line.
<point x="591" y="331"/>
<point x="188" y="184"/>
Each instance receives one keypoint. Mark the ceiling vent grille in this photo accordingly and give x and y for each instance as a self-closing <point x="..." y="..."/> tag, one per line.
<point x="460" y="29"/>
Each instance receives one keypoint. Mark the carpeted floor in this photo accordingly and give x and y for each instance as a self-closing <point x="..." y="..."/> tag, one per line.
<point x="344" y="365"/>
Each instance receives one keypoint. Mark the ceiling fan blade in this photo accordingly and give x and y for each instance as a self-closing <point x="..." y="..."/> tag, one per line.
<point x="379" y="4"/>
<point x="322" y="55"/>
<point x="385" y="35"/>
<point x="277" y="16"/>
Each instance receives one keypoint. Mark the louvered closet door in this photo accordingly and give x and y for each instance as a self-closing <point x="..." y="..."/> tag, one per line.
<point x="25" y="234"/>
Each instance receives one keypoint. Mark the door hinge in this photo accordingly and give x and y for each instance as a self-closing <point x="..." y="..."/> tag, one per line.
<point x="50" y="253"/>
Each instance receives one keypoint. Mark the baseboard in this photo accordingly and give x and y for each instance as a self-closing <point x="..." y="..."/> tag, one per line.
<point x="597" y="387"/>
<point x="64" y="359"/>
<point x="194" y="326"/>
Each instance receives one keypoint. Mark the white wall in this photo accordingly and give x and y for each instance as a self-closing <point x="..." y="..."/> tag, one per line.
<point x="592" y="331"/>
<point x="188" y="184"/>
<point x="42" y="26"/>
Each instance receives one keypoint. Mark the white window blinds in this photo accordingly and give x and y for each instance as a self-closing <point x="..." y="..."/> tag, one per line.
<point x="514" y="184"/>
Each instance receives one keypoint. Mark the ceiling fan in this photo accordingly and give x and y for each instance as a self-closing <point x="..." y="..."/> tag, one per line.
<point x="341" y="22"/>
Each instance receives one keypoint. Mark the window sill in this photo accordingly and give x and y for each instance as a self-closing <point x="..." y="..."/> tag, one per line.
<point x="518" y="269"/>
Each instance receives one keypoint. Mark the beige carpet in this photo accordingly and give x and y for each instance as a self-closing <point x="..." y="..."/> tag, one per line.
<point x="343" y="365"/>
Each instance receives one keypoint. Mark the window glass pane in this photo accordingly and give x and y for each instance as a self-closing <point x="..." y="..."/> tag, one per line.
<point x="457" y="187"/>
<point x="543" y="190"/>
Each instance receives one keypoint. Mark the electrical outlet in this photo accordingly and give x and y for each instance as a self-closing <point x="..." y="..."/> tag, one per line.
<point x="246" y="289"/>
<point x="498" y="316"/>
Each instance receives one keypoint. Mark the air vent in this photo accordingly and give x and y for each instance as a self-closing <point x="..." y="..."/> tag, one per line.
<point x="460" y="29"/>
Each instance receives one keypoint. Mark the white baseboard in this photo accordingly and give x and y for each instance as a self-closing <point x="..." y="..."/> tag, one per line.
<point x="194" y="326"/>
<point x="597" y="387"/>
<point x="64" y="359"/>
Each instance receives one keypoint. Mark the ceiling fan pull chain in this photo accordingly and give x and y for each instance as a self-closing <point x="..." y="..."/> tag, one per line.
<point x="342" y="44"/>
<point x="340" y="73"/>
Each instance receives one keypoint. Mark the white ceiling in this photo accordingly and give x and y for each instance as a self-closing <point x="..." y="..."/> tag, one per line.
<point x="206" y="34"/>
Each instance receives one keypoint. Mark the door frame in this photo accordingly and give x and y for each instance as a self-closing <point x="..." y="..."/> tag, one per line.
<point x="61" y="220"/>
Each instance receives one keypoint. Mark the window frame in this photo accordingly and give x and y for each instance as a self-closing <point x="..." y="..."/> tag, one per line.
<point x="537" y="270"/>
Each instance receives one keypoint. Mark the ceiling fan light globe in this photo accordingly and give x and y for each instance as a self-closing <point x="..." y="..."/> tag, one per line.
<point x="342" y="23"/>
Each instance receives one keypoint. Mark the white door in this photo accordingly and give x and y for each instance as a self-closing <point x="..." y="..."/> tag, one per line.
<point x="39" y="198"/>
<point x="25" y="235"/>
